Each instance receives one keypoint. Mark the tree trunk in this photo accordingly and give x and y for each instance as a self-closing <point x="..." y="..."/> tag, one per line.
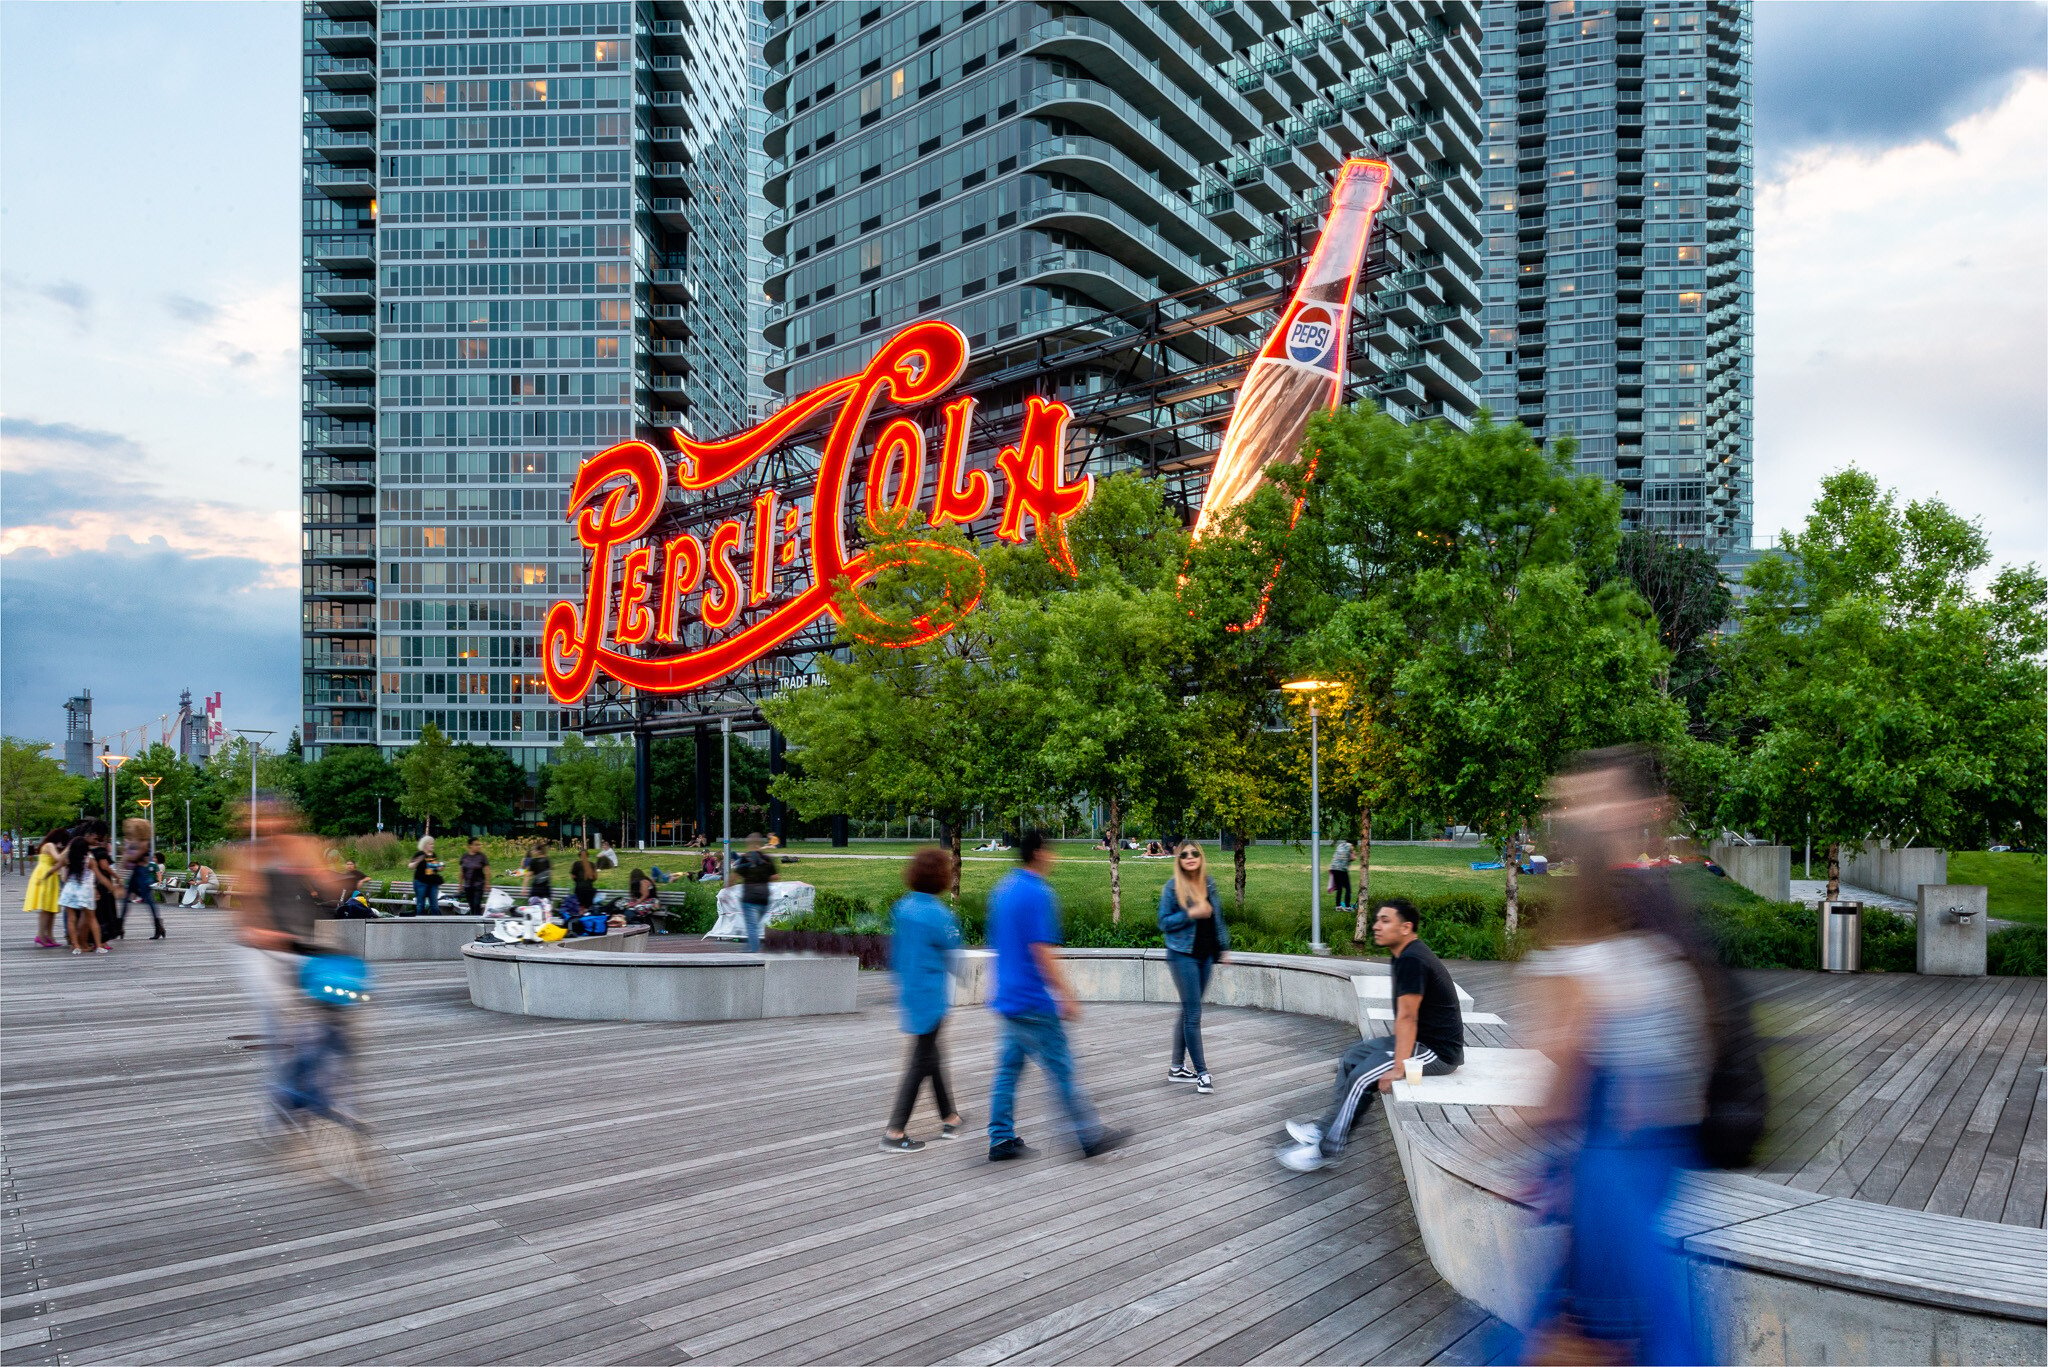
<point x="1115" y="830"/>
<point x="1513" y="865"/>
<point x="1361" y="932"/>
<point x="1237" y="870"/>
<point x="1834" y="870"/>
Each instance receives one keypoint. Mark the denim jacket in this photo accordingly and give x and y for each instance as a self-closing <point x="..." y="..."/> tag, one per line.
<point x="1179" y="927"/>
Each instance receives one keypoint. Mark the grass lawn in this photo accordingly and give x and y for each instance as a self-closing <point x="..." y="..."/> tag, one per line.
<point x="2018" y="883"/>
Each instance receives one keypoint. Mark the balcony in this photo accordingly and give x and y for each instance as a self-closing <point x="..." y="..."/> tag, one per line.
<point x="356" y="252"/>
<point x="343" y="329"/>
<point x="349" y="619"/>
<point x="343" y="438"/>
<point x="338" y="146"/>
<point x="341" y="697"/>
<point x="343" y="401"/>
<point x="675" y="316"/>
<point x="668" y="384"/>
<point x="343" y="586"/>
<point x="342" y="111"/>
<point x="346" y="182"/>
<point x="345" y="292"/>
<point x="325" y="733"/>
<point x="340" y="659"/>
<point x="671" y="73"/>
<point x="346" y="73"/>
<point x="670" y="283"/>
<point x="672" y="212"/>
<point x="342" y="546"/>
<point x="341" y="474"/>
<point x="343" y="37"/>
<point x="344" y="365"/>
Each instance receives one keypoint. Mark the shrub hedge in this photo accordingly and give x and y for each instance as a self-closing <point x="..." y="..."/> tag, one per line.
<point x="2018" y="952"/>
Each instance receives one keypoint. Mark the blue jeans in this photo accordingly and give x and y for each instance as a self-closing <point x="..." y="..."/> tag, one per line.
<point x="1191" y="980"/>
<point x="426" y="901"/>
<point x="1039" y="1035"/>
<point x="753" y="913"/>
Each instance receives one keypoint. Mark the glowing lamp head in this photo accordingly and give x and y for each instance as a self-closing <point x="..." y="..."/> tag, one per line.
<point x="113" y="761"/>
<point x="1307" y="685"/>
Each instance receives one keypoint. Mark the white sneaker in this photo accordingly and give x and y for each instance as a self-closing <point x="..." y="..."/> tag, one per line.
<point x="1301" y="1157"/>
<point x="1305" y="1132"/>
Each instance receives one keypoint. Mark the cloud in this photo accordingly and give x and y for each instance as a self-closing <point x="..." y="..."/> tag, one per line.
<point x="137" y="622"/>
<point x="1901" y="323"/>
<point x="1874" y="75"/>
<point x="186" y="309"/>
<point x="71" y="489"/>
<point x="74" y="298"/>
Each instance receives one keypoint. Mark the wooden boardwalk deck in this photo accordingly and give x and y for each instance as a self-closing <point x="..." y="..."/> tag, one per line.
<point x="572" y="1192"/>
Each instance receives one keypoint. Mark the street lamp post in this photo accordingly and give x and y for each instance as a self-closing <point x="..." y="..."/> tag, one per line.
<point x="150" y="781"/>
<point x="1311" y="687"/>
<point x="725" y="802"/>
<point x="255" y="748"/>
<point x="113" y="762"/>
<point x="188" y="832"/>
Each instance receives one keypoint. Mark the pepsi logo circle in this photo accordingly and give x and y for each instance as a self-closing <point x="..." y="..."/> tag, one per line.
<point x="1310" y="335"/>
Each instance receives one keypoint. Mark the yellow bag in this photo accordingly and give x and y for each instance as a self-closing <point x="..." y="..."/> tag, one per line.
<point x="552" y="932"/>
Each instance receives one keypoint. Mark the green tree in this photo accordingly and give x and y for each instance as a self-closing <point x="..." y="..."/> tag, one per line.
<point x="498" y="788"/>
<point x="934" y="729"/>
<point x="433" y="780"/>
<point x="342" y="791"/>
<point x="1690" y="600"/>
<point x="35" y="792"/>
<point x="590" y="782"/>
<point x="1103" y="658"/>
<point x="1874" y="693"/>
<point x="1474" y="604"/>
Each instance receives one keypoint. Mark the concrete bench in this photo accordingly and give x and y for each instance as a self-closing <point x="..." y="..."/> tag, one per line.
<point x="568" y="982"/>
<point x="1777" y="1274"/>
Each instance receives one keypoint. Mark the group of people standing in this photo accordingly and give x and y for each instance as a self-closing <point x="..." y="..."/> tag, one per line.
<point x="473" y="869"/>
<point x="80" y="877"/>
<point x="1030" y="993"/>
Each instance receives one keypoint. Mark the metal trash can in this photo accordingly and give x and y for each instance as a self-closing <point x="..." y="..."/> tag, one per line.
<point x="1841" y="937"/>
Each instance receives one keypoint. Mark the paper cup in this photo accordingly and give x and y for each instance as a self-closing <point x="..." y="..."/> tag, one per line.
<point x="1413" y="1070"/>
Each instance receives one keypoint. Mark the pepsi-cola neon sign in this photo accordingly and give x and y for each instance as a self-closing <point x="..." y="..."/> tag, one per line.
<point x="619" y="495"/>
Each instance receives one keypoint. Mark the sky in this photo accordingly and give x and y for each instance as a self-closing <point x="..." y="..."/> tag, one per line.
<point x="149" y="325"/>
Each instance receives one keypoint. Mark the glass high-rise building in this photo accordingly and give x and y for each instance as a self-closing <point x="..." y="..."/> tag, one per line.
<point x="526" y="238"/>
<point x="1618" y="248"/>
<point x="1025" y="170"/>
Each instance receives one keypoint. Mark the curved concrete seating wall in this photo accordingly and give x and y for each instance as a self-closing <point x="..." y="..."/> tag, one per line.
<point x="1779" y="1275"/>
<point x="406" y="939"/>
<point x="578" y="984"/>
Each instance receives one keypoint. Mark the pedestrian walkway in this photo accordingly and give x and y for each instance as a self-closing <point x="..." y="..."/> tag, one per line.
<point x="616" y="1193"/>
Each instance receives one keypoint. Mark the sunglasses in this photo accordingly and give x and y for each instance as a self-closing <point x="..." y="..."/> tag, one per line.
<point x="1191" y="855"/>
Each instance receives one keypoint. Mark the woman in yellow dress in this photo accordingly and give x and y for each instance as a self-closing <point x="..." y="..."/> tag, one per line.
<point x="43" y="883"/>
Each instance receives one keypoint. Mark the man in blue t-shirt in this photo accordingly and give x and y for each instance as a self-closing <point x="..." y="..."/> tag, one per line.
<point x="1031" y="997"/>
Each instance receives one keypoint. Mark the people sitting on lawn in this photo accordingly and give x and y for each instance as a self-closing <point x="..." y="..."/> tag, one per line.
<point x="643" y="904"/>
<point x="711" y="870"/>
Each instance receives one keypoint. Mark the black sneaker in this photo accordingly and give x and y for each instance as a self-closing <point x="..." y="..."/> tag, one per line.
<point x="949" y="1130"/>
<point x="1203" y="1084"/>
<point x="1005" y="1150"/>
<point x="1180" y="1075"/>
<point x="901" y="1144"/>
<point x="1110" y="1138"/>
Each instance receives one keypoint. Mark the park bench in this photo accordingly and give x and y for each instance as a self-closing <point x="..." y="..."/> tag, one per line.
<point x="173" y="889"/>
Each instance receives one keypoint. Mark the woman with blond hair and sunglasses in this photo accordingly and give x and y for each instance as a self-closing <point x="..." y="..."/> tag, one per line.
<point x="1192" y="921"/>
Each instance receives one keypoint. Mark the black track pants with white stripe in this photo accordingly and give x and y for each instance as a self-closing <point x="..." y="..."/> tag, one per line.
<point x="1358" y="1076"/>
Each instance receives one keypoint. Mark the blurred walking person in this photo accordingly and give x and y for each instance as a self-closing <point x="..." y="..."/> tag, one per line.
<point x="283" y="887"/>
<point x="1191" y="919"/>
<point x="140" y="865"/>
<point x="921" y="954"/>
<point x="1624" y="1010"/>
<point x="426" y="879"/>
<point x="1032" y="999"/>
<point x="79" y="897"/>
<point x="539" y="872"/>
<point x="44" y="883"/>
<point x="476" y="876"/>
<point x="756" y="870"/>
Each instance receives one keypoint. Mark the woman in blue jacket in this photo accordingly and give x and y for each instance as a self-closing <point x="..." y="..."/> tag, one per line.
<point x="1196" y="940"/>
<point x="921" y="955"/>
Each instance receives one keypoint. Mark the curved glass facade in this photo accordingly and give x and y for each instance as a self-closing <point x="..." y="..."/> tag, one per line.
<point x="1020" y="169"/>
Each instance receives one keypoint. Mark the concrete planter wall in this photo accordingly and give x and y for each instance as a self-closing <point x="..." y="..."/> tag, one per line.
<point x="411" y="939"/>
<point x="593" y="984"/>
<point x="1897" y="873"/>
<point x="1765" y="870"/>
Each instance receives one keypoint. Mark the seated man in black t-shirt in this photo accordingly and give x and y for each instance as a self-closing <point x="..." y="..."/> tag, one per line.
<point x="1428" y="1029"/>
